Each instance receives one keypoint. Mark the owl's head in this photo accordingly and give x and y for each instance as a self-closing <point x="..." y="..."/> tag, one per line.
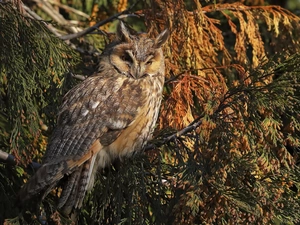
<point x="137" y="56"/>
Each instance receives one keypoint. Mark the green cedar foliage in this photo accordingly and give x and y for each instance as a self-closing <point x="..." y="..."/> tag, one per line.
<point x="33" y="64"/>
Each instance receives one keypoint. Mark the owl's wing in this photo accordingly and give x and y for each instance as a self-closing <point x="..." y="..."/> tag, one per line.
<point x="93" y="115"/>
<point x="96" y="109"/>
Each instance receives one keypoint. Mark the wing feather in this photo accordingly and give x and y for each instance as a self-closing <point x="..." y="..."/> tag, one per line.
<point x="92" y="116"/>
<point x="97" y="108"/>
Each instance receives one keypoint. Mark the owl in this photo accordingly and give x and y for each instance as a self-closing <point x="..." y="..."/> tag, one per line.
<point x="108" y="116"/>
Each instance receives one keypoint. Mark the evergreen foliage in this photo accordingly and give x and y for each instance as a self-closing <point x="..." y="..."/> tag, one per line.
<point x="226" y="147"/>
<point x="32" y="66"/>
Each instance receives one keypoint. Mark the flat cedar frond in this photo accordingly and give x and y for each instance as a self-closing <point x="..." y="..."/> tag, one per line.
<point x="31" y="69"/>
<point x="222" y="69"/>
<point x="198" y="45"/>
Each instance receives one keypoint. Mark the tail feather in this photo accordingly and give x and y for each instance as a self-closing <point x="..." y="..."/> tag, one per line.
<point x="49" y="175"/>
<point x="77" y="167"/>
<point x="74" y="192"/>
<point x="85" y="180"/>
<point x="68" y="188"/>
<point x="46" y="176"/>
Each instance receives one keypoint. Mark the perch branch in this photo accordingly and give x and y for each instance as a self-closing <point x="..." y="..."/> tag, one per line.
<point x="196" y="123"/>
<point x="10" y="159"/>
<point x="7" y="158"/>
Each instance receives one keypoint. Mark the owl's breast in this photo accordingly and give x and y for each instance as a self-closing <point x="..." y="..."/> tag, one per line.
<point x="134" y="137"/>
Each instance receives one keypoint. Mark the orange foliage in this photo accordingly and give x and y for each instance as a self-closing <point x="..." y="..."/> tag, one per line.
<point x="207" y="79"/>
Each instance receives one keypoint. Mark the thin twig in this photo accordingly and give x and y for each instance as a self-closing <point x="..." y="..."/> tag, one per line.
<point x="37" y="17"/>
<point x="196" y="123"/>
<point x="56" y="16"/>
<point x="68" y="8"/>
<point x="96" y="26"/>
<point x="78" y="77"/>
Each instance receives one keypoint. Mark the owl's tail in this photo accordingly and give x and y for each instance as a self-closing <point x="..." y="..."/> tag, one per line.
<point x="75" y="188"/>
<point x="49" y="174"/>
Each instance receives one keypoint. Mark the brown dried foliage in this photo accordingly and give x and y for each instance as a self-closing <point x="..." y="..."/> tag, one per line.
<point x="197" y="52"/>
<point x="232" y="148"/>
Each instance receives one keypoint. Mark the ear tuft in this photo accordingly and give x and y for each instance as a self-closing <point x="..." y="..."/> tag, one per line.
<point x="162" y="38"/>
<point x="123" y="33"/>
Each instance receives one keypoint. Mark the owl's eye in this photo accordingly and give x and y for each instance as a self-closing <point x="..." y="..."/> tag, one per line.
<point x="149" y="62"/>
<point x="126" y="57"/>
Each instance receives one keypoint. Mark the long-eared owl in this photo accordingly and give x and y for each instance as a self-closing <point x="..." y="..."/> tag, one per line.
<point x="109" y="115"/>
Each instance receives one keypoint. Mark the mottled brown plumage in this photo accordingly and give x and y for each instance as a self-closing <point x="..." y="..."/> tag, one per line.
<point x="107" y="116"/>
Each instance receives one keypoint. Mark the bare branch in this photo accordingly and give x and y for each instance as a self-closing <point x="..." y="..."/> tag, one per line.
<point x="96" y="26"/>
<point x="7" y="158"/>
<point x="196" y="123"/>
<point x="68" y="8"/>
<point x="11" y="160"/>
<point x="37" y="17"/>
<point x="56" y="16"/>
<point x="78" y="77"/>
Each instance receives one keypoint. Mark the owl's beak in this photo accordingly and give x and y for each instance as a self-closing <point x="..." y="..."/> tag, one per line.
<point x="137" y="71"/>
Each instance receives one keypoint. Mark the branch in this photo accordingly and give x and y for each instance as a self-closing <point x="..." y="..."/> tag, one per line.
<point x="55" y="15"/>
<point x="37" y="17"/>
<point x="68" y="8"/>
<point x="196" y="123"/>
<point x="96" y="26"/>
<point x="11" y="160"/>
<point x="7" y="158"/>
<point x="78" y="77"/>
